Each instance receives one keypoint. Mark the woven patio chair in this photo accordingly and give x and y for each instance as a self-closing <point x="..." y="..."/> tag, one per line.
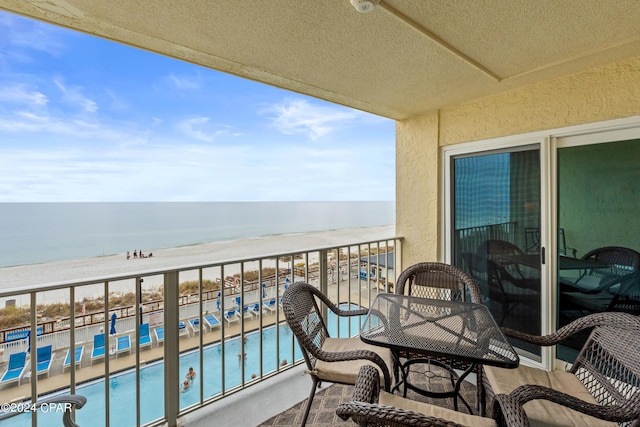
<point x="68" y="403"/>
<point x="435" y="280"/>
<point x="615" y="288"/>
<point x="504" y="290"/>
<point x="498" y="251"/>
<point x="438" y="281"/>
<point x="602" y="387"/>
<point x="335" y="360"/>
<point x="371" y="407"/>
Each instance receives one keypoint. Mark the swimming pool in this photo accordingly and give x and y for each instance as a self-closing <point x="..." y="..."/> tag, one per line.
<point x="122" y="386"/>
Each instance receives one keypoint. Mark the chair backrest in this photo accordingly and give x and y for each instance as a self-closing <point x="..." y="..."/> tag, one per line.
<point x="438" y="281"/>
<point x="300" y="304"/>
<point x="532" y="241"/>
<point x="498" y="251"/>
<point x="44" y="353"/>
<point x="144" y="330"/>
<point x="608" y="364"/>
<point x="17" y="360"/>
<point x="493" y="247"/>
<point x="98" y="340"/>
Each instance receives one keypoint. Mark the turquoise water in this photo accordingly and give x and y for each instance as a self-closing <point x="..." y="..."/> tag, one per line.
<point x="122" y="387"/>
<point x="43" y="232"/>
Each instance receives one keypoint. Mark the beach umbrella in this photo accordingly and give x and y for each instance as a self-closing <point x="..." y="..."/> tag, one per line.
<point x="113" y="324"/>
<point x="264" y="290"/>
<point x="28" y="341"/>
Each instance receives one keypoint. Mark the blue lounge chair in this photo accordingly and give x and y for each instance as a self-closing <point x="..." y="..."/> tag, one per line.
<point x="270" y="305"/>
<point x="44" y="358"/>
<point x="231" y="316"/>
<point x="124" y="344"/>
<point x="159" y="332"/>
<point x="17" y="365"/>
<point x="98" y="347"/>
<point x="182" y="329"/>
<point x="254" y="309"/>
<point x="211" y="321"/>
<point x="246" y="312"/>
<point x="78" y="353"/>
<point x="145" y="337"/>
<point x="195" y="325"/>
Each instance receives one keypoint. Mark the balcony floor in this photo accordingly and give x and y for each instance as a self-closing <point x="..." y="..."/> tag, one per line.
<point x="328" y="398"/>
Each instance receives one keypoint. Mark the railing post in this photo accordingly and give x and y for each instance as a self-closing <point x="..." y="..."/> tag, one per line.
<point x="323" y="281"/>
<point x="171" y="352"/>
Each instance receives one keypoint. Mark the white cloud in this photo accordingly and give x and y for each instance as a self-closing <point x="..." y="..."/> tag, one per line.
<point x="73" y="95"/>
<point x="200" y="128"/>
<point x="184" y="82"/>
<point x="298" y="116"/>
<point x="21" y="94"/>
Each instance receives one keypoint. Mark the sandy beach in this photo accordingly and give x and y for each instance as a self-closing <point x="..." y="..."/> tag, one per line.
<point x="37" y="275"/>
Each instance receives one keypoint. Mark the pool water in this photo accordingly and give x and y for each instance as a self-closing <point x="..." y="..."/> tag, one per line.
<point x="122" y="386"/>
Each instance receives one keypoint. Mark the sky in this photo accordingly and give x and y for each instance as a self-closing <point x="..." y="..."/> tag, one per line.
<point x="84" y="119"/>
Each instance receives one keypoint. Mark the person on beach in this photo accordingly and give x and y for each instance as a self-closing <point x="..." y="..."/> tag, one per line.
<point x="191" y="375"/>
<point x="135" y="253"/>
<point x="128" y="255"/>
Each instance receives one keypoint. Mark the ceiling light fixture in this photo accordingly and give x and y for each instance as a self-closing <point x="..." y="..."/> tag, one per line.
<point x="364" y="6"/>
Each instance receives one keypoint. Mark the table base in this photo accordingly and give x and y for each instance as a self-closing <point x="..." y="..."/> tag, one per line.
<point x="451" y="375"/>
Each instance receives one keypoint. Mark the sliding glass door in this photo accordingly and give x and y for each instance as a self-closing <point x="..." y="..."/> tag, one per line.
<point x="598" y="206"/>
<point x="496" y="233"/>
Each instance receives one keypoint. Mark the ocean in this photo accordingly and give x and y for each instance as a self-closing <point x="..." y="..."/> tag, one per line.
<point x="32" y="233"/>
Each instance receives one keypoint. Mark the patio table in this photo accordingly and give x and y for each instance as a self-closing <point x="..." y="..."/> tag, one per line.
<point x="427" y="328"/>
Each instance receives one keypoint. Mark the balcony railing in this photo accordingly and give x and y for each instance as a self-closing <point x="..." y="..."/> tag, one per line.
<point x="227" y="325"/>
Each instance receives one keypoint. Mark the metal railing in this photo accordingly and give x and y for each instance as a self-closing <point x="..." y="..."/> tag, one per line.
<point x="121" y="306"/>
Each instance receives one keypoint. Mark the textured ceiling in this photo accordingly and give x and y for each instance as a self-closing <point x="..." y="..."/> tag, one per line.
<point x="400" y="60"/>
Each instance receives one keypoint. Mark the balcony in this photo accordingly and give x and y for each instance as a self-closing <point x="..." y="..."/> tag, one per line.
<point x="247" y="290"/>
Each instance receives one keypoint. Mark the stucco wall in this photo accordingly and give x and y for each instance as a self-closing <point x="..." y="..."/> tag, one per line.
<point x="602" y="93"/>
<point x="417" y="188"/>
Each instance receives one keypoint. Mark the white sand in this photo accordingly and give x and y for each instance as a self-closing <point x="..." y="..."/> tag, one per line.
<point x="38" y="275"/>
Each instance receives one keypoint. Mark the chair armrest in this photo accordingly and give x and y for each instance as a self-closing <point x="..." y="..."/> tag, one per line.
<point x="373" y="414"/>
<point x="508" y="412"/>
<point x="526" y="393"/>
<point x="367" y="386"/>
<point x="565" y="331"/>
<point x="365" y="410"/>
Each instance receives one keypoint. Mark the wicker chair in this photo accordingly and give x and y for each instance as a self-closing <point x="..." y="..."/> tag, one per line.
<point x="68" y="402"/>
<point x="616" y="288"/>
<point x="329" y="359"/>
<point x="601" y="388"/>
<point x="496" y="250"/>
<point x="505" y="291"/>
<point x="436" y="280"/>
<point x="371" y="407"/>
